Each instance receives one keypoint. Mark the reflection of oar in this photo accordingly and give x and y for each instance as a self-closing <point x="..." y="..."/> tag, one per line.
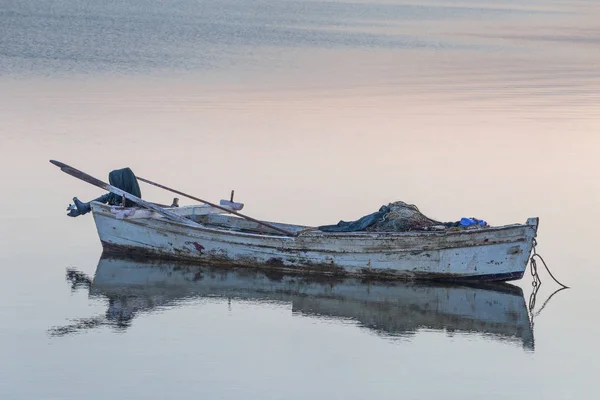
<point x="79" y="325"/>
<point x="97" y="182"/>
<point x="219" y="207"/>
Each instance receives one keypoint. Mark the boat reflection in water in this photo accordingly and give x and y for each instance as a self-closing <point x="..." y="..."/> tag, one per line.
<point x="497" y="311"/>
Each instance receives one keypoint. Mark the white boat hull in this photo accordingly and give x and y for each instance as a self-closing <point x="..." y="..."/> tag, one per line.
<point x="499" y="253"/>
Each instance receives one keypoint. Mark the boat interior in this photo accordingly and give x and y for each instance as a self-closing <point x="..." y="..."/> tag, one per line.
<point x="233" y="223"/>
<point x="216" y="218"/>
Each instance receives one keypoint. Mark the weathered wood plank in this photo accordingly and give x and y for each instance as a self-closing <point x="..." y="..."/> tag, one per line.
<point x="186" y="211"/>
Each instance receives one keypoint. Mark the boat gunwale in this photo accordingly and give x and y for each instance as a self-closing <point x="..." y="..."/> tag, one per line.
<point x="105" y="211"/>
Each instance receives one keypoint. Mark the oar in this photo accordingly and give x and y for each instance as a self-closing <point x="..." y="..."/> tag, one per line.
<point x="97" y="182"/>
<point x="288" y="233"/>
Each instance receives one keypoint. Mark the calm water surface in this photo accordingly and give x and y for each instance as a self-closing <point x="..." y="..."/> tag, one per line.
<point x="313" y="111"/>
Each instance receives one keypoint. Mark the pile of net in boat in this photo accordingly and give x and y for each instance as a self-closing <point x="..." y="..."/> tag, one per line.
<point x="399" y="217"/>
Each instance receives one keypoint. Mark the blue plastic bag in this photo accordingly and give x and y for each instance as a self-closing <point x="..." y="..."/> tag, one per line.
<point x="472" y="221"/>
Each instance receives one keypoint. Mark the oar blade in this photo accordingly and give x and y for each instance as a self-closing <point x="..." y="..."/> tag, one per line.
<point x="58" y="164"/>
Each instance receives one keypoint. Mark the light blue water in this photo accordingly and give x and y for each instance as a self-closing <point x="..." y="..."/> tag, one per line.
<point x="313" y="112"/>
<point x="136" y="36"/>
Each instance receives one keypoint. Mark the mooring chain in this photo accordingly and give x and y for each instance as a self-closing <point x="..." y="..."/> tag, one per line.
<point x="537" y="282"/>
<point x="534" y="266"/>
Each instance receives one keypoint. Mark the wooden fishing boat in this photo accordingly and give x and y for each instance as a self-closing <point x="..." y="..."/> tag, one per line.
<point x="390" y="309"/>
<point x="498" y="253"/>
<point x="202" y="234"/>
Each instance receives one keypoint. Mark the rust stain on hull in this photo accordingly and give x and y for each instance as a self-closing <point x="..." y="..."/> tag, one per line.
<point x="197" y="246"/>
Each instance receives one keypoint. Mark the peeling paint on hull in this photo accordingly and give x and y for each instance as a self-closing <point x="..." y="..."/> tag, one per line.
<point x="486" y="254"/>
